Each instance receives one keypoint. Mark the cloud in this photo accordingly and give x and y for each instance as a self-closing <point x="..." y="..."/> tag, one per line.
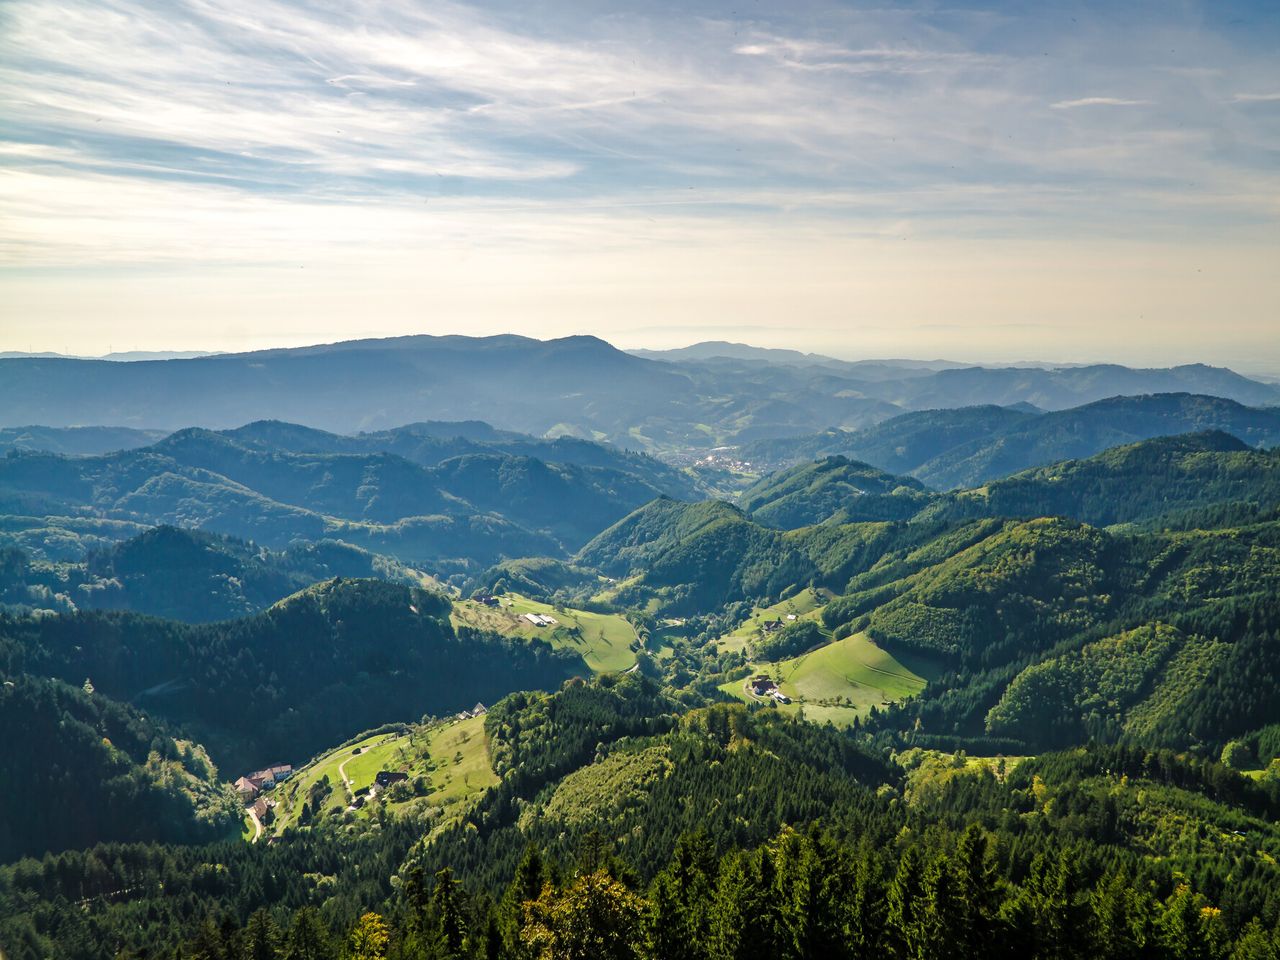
<point x="285" y="123"/>
<point x="1098" y="102"/>
<point x="1256" y="97"/>
<point x="820" y="56"/>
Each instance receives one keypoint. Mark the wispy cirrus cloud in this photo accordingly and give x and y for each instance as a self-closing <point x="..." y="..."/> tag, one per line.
<point x="267" y="134"/>
<point x="817" y="55"/>
<point x="1098" y="102"/>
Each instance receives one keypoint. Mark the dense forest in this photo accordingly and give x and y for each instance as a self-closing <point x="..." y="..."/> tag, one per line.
<point x="478" y="506"/>
<point x="758" y="830"/>
<point x="81" y="768"/>
<point x="183" y="574"/>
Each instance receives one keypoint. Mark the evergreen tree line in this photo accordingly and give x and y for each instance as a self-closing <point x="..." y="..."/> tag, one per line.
<point x="802" y="895"/>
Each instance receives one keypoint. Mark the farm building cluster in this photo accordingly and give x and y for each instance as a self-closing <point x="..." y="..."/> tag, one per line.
<point x="252" y="784"/>
<point x="487" y="599"/>
<point x="383" y="780"/>
<point x="764" y="686"/>
<point x="479" y="710"/>
<point x="769" y="626"/>
<point x="541" y="619"/>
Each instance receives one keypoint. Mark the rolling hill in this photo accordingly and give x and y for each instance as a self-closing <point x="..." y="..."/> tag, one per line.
<point x="428" y="444"/>
<point x="83" y="769"/>
<point x="339" y="657"/>
<point x="990" y="582"/>
<point x="184" y="575"/>
<point x="1151" y="479"/>
<point x="968" y="446"/>
<point x="76" y="441"/>
<point x="692" y="557"/>
<point x="832" y="488"/>
<point x="477" y="507"/>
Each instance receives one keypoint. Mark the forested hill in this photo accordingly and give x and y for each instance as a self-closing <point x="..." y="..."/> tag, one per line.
<point x="829" y="488"/>
<point x="76" y="441"/>
<point x="969" y="446"/>
<point x="693" y="558"/>
<point x="339" y="657"/>
<point x="619" y="829"/>
<point x="430" y="443"/>
<point x="996" y="598"/>
<point x="80" y="769"/>
<point x="1037" y="716"/>
<point x="985" y="587"/>
<point x="183" y="574"/>
<point x="690" y="558"/>
<point x="477" y="508"/>
<point x="1161" y="478"/>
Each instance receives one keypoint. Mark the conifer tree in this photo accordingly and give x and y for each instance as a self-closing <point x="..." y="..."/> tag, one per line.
<point x="679" y="899"/>
<point x="977" y="892"/>
<point x="308" y="939"/>
<point x="447" y="907"/>
<point x="940" y="923"/>
<point x="903" y="927"/>
<point x="261" y="939"/>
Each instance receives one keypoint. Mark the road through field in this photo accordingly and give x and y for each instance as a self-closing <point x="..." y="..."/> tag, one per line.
<point x="342" y="770"/>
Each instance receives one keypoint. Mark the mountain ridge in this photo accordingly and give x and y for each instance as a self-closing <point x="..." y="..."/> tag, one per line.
<point x="580" y="386"/>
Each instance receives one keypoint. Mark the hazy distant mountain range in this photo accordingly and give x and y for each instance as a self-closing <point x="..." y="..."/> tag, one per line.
<point x="576" y="386"/>
<point x="726" y="350"/>
<point x="118" y="355"/>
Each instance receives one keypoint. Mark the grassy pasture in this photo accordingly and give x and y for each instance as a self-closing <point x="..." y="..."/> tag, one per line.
<point x="602" y="640"/>
<point x="841" y="680"/>
<point x="452" y="756"/>
<point x="292" y="794"/>
<point x="805" y="605"/>
<point x="391" y="753"/>
<point x="461" y="756"/>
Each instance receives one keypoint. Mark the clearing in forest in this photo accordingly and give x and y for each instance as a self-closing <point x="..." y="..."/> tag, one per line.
<point x="605" y="641"/>
<point x="842" y="680"/>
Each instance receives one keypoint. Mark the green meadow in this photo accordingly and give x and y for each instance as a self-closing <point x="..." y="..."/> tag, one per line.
<point x="805" y="605"/>
<point x="451" y="757"/>
<point x="604" y="641"/>
<point x="841" y="680"/>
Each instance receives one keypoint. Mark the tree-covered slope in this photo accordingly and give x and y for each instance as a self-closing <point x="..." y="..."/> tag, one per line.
<point x="433" y="442"/>
<point x="477" y="507"/>
<point x="80" y="769"/>
<point x="1090" y="429"/>
<point x="687" y="558"/>
<point x="1061" y="600"/>
<point x="541" y="578"/>
<point x="621" y="829"/>
<point x="900" y="444"/>
<point x="1141" y="481"/>
<point x="76" y="441"/>
<point x="183" y="574"/>
<point x="610" y="756"/>
<point x="834" y="488"/>
<point x="342" y="656"/>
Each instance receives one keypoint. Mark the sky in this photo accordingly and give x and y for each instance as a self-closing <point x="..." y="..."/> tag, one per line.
<point x="1010" y="181"/>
